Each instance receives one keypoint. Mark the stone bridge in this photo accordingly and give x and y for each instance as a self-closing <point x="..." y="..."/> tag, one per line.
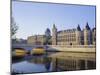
<point x="62" y="48"/>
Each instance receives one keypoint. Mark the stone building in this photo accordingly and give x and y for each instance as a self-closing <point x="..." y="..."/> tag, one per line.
<point x="54" y="35"/>
<point x="36" y="40"/>
<point x="73" y="36"/>
<point x="76" y="36"/>
<point x="87" y="35"/>
<point x="94" y="36"/>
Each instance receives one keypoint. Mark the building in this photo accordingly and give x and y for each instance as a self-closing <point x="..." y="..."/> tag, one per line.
<point x="74" y="36"/>
<point x="54" y="35"/>
<point x="94" y="36"/>
<point x="19" y="41"/>
<point x="87" y="35"/>
<point x="36" y="39"/>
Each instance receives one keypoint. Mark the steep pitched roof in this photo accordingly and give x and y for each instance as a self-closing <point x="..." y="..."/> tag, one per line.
<point x="87" y="26"/>
<point x="78" y="28"/>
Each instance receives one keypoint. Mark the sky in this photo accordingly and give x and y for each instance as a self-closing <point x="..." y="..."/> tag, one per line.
<point x="34" y="18"/>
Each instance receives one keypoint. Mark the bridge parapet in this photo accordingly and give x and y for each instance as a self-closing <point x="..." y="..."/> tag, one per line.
<point x="25" y="45"/>
<point x="67" y="46"/>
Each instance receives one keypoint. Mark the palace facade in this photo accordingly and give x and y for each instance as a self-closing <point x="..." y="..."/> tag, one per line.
<point x="76" y="36"/>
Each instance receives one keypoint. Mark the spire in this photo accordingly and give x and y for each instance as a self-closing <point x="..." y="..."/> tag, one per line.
<point x="48" y="30"/>
<point x="87" y="26"/>
<point x="93" y="29"/>
<point x="54" y="26"/>
<point x="78" y="28"/>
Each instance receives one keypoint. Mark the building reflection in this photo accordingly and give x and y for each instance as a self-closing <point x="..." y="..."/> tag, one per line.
<point x="41" y="60"/>
<point x="64" y="61"/>
<point x="73" y="61"/>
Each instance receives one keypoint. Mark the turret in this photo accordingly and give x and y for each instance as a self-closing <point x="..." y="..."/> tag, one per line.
<point x="54" y="35"/>
<point x="94" y="36"/>
<point x="87" y="35"/>
<point x="78" y="35"/>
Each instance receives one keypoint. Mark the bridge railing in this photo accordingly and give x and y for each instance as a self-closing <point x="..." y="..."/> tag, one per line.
<point x="23" y="45"/>
<point x="68" y="46"/>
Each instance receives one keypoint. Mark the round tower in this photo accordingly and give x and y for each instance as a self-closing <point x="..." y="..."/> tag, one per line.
<point x="94" y="36"/>
<point x="87" y="35"/>
<point x="54" y="35"/>
<point x="78" y="35"/>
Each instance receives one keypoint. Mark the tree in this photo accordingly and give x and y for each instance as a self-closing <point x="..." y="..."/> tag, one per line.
<point x="47" y="36"/>
<point x="14" y="27"/>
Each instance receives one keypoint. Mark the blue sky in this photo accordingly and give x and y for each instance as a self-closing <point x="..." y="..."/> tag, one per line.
<point x="33" y="18"/>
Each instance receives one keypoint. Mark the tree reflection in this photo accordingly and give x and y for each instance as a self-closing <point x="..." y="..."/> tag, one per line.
<point x="47" y="62"/>
<point x="41" y="60"/>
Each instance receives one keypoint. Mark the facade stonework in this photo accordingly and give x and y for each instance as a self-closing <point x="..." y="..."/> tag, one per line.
<point x="54" y="35"/>
<point x="36" y="40"/>
<point x="94" y="36"/>
<point x="74" y="36"/>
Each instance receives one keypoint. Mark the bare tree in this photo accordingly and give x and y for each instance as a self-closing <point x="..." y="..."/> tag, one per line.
<point x="14" y="27"/>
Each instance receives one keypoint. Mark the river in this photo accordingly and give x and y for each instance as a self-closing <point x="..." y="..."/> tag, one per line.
<point x="54" y="61"/>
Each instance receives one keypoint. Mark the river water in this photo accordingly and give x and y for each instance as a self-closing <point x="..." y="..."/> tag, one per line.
<point x="30" y="64"/>
<point x="54" y="61"/>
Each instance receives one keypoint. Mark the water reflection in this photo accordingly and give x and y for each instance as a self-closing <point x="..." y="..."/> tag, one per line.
<point x="60" y="61"/>
<point x="34" y="64"/>
<point x="41" y="60"/>
<point x="73" y="61"/>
